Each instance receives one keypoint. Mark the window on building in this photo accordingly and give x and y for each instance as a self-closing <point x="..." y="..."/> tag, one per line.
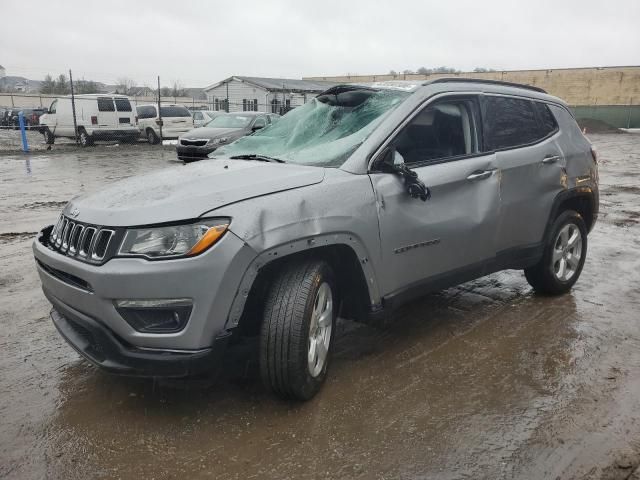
<point x="216" y="104"/>
<point x="275" y="105"/>
<point x="255" y="104"/>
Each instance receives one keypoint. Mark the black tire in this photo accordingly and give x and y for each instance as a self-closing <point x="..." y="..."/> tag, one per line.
<point x="544" y="276"/>
<point x="285" y="336"/>
<point x="49" y="139"/>
<point x="152" y="138"/>
<point x="84" y="138"/>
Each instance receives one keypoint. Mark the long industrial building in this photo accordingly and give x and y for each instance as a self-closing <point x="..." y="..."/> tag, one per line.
<point x="609" y="94"/>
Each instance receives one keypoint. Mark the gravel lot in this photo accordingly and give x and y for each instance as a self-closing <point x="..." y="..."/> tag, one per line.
<point x="485" y="380"/>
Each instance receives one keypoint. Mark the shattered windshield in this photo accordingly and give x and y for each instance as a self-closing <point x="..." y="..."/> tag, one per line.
<point x="323" y="132"/>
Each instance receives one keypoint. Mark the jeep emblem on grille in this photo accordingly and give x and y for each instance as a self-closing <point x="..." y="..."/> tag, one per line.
<point x="75" y="212"/>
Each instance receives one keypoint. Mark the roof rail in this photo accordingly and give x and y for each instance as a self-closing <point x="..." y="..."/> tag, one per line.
<point x="480" y="80"/>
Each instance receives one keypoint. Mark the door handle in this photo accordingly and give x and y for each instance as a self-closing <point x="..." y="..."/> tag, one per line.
<point x="480" y="175"/>
<point x="550" y="159"/>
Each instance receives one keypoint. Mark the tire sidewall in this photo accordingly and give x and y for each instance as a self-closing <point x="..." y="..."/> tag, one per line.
<point x="84" y="138"/>
<point x="565" y="218"/>
<point x="310" y="385"/>
<point x="48" y="136"/>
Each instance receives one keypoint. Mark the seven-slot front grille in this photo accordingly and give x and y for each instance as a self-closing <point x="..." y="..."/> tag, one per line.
<point x="85" y="242"/>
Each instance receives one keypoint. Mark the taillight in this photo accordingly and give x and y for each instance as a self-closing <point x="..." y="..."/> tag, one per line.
<point x="594" y="154"/>
<point x="94" y="120"/>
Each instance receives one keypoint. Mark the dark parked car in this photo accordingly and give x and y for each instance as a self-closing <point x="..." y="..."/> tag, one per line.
<point x="4" y="115"/>
<point x="31" y="117"/>
<point x="222" y="130"/>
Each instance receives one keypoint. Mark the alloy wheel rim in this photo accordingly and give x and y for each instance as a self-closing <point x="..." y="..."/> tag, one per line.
<point x="320" y="330"/>
<point x="567" y="252"/>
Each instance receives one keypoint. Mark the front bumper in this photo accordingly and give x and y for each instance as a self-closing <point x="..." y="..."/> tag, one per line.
<point x="84" y="293"/>
<point x="192" y="153"/>
<point x="105" y="349"/>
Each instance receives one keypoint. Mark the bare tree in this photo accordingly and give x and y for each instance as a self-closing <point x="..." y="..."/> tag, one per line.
<point x="125" y="85"/>
<point x="48" y="85"/>
<point x="178" y="89"/>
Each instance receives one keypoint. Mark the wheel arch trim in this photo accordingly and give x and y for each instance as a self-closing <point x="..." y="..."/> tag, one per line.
<point x="291" y="248"/>
<point x="585" y="192"/>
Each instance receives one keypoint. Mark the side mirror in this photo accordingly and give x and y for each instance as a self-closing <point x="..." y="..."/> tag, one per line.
<point x="393" y="162"/>
<point x="257" y="127"/>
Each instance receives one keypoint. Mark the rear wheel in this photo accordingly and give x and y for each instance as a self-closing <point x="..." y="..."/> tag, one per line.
<point x="563" y="257"/>
<point x="297" y="329"/>
<point x="84" y="138"/>
<point x="152" y="138"/>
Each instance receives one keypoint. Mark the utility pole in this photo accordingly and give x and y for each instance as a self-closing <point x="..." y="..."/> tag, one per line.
<point x="227" y="109"/>
<point x="159" y="111"/>
<point x="73" y="108"/>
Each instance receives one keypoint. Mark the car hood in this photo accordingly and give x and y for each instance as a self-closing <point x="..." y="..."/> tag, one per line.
<point x="208" y="132"/>
<point x="187" y="191"/>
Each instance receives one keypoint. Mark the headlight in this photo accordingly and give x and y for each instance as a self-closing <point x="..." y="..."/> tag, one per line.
<point x="217" y="141"/>
<point x="173" y="241"/>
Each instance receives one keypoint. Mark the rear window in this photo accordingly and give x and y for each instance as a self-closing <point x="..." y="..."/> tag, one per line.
<point x="509" y="122"/>
<point x="105" y="105"/>
<point x="123" y="105"/>
<point x="546" y="119"/>
<point x="146" y="111"/>
<point x="174" y="111"/>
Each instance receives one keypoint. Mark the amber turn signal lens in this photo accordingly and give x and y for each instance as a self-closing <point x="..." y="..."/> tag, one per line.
<point x="208" y="239"/>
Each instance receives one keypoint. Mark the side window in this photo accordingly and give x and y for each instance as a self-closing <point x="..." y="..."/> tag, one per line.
<point x="105" y="105"/>
<point x="546" y="120"/>
<point x="509" y="122"/>
<point x="197" y="115"/>
<point x="260" y="122"/>
<point x="123" y="105"/>
<point x="52" y="108"/>
<point x="146" y="111"/>
<point x="442" y="130"/>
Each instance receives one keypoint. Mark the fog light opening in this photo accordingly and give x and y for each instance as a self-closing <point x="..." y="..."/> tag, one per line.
<point x="156" y="316"/>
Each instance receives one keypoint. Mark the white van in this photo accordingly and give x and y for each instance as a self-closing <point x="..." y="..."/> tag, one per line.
<point x="98" y="117"/>
<point x="176" y="120"/>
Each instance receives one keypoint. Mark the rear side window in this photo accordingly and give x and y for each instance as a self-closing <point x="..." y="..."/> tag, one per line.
<point x="146" y="111"/>
<point x="105" y="105"/>
<point x="546" y="120"/>
<point x="509" y="122"/>
<point x="123" y="105"/>
<point x="174" y="111"/>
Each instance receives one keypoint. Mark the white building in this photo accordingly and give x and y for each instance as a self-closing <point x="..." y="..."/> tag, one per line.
<point x="275" y="95"/>
<point x="3" y="72"/>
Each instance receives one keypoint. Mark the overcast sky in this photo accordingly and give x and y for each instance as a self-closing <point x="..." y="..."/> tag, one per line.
<point x="201" y="42"/>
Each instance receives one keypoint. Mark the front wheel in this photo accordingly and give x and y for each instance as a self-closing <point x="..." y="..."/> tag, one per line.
<point x="152" y="138"/>
<point x="298" y="328"/>
<point x="563" y="257"/>
<point x="48" y="136"/>
<point x="85" y="139"/>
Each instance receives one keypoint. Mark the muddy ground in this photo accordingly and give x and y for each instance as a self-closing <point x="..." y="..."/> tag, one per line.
<point x="486" y="380"/>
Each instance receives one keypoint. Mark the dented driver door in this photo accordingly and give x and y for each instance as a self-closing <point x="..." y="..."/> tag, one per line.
<point x="450" y="235"/>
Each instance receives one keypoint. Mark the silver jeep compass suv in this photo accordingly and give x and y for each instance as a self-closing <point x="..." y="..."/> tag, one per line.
<point x="361" y="199"/>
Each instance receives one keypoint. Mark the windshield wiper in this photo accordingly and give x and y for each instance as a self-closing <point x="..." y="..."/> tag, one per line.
<point x="260" y="158"/>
